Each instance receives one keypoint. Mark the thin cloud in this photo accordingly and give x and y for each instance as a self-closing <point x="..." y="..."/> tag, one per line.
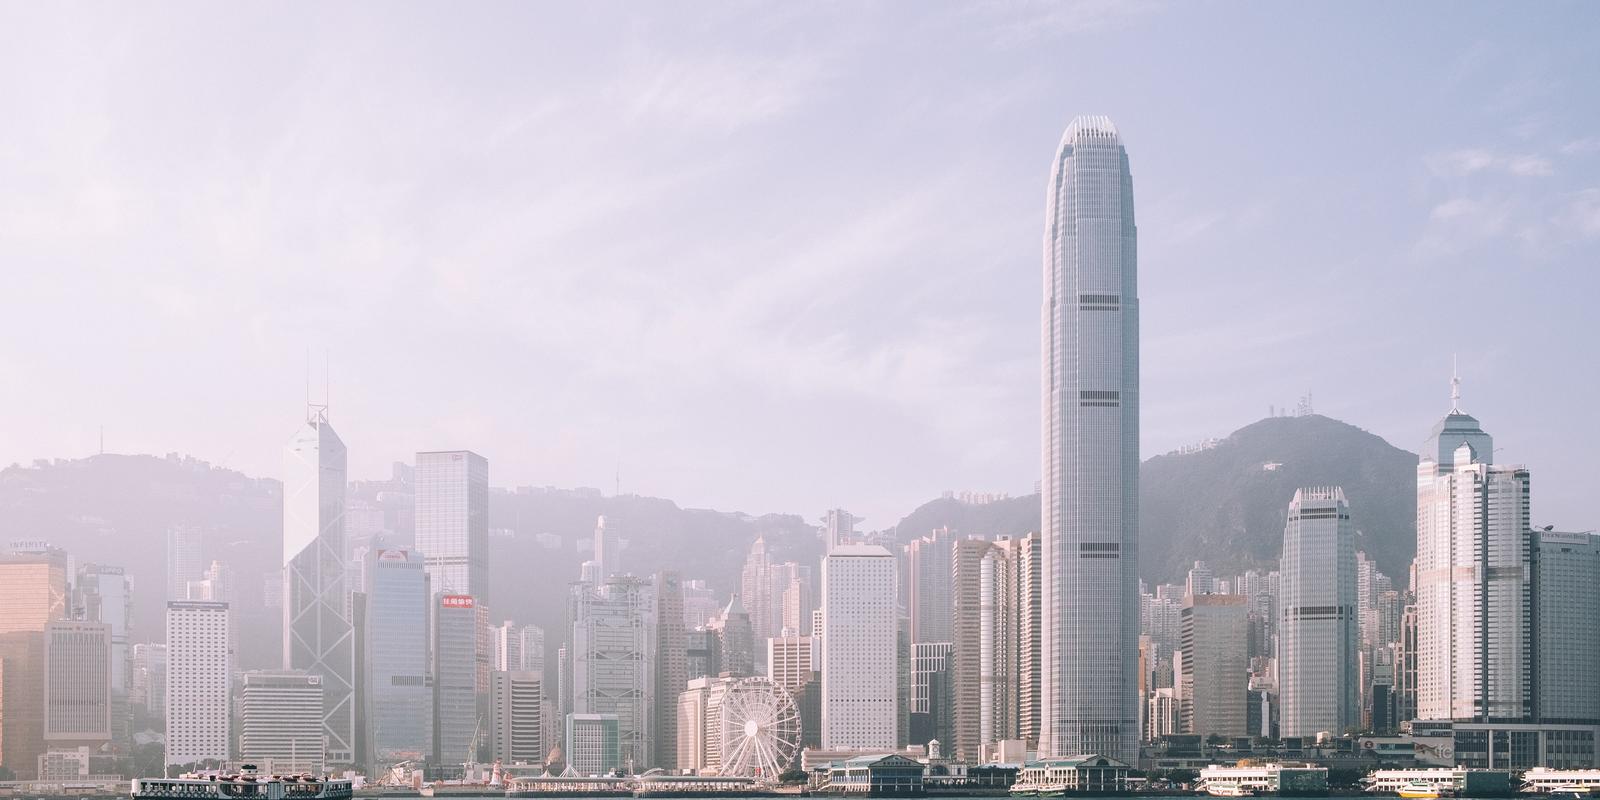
<point x="1469" y="161"/>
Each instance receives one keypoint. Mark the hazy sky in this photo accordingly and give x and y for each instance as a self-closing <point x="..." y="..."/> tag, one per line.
<point x="783" y="257"/>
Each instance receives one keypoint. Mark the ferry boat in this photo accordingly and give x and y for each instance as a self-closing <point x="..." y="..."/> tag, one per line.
<point x="1570" y="791"/>
<point x="248" y="784"/>
<point x="1420" y="790"/>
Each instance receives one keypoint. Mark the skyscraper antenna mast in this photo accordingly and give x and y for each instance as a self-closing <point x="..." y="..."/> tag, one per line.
<point x="1455" y="387"/>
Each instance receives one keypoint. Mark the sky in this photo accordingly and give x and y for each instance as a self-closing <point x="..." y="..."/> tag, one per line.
<point x="783" y="257"/>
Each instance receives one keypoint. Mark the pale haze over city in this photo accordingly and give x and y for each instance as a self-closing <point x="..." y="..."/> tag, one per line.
<point x="744" y="399"/>
<point x="780" y="257"/>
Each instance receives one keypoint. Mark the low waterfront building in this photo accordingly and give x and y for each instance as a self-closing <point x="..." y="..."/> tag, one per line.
<point x="1090" y="774"/>
<point x="877" y="776"/>
<point x="1449" y="781"/>
<point x="1542" y="779"/>
<point x="1278" y="779"/>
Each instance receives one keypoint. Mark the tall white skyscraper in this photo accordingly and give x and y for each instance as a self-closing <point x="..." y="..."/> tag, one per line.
<point x="1318" y="629"/>
<point x="607" y="556"/>
<point x="1475" y="609"/>
<point x="317" y="635"/>
<point x="452" y="519"/>
<point x="860" y="668"/>
<point x="199" y="670"/>
<point x="1090" y="488"/>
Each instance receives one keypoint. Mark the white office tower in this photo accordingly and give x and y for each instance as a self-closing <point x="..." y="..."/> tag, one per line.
<point x="607" y="560"/>
<point x="199" y="667"/>
<point x="755" y="592"/>
<point x="505" y="646"/>
<point x="1569" y="626"/>
<point x="183" y="559"/>
<point x="105" y="594"/>
<point x="452" y="519"/>
<point x="860" y="670"/>
<point x="516" y="728"/>
<point x="533" y="649"/>
<point x="669" y="659"/>
<point x="317" y="634"/>
<point x="838" y="529"/>
<point x="789" y="661"/>
<point x="1201" y="580"/>
<point x="148" y="678"/>
<point x="1318" y="633"/>
<point x="1090" y="490"/>
<point x="77" y="684"/>
<point x="1475" y="612"/>
<point x="280" y="721"/>
<point x="610" y="670"/>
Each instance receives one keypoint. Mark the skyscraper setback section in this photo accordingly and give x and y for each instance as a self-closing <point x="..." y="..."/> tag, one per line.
<point x="1090" y="486"/>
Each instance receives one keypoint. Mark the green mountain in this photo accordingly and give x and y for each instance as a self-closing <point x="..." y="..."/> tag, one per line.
<point x="1226" y="504"/>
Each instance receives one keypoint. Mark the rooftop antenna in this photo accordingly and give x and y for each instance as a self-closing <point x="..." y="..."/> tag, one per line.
<point x="1455" y="387"/>
<point x="315" y="413"/>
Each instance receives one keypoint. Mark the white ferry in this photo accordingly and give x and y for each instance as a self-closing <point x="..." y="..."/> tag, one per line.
<point x="247" y="784"/>
<point x="1417" y="784"/>
<point x="1562" y="782"/>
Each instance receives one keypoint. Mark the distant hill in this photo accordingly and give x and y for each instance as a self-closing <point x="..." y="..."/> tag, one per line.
<point x="1217" y="504"/>
<point x="116" y="510"/>
<point x="1225" y="506"/>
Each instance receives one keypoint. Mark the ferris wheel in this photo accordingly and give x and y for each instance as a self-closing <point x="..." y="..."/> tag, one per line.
<point x="760" y="729"/>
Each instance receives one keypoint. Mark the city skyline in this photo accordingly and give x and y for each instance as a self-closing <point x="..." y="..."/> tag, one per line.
<point x="1292" y="209"/>
<point x="772" y="259"/>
